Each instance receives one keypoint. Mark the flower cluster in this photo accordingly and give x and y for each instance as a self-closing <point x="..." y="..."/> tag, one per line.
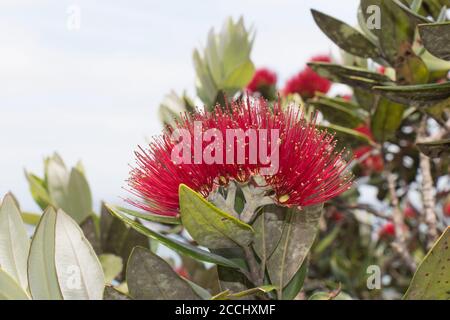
<point x="310" y="170"/>
<point x="262" y="81"/>
<point x="307" y="82"/>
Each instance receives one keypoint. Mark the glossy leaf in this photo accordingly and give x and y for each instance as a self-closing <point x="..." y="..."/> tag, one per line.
<point x="431" y="280"/>
<point x="178" y="246"/>
<point x="150" y="277"/>
<point x="351" y="76"/>
<point x="336" y="113"/>
<point x="422" y="95"/>
<point x="210" y="226"/>
<point x="42" y="277"/>
<point x="14" y="242"/>
<point x="148" y="216"/>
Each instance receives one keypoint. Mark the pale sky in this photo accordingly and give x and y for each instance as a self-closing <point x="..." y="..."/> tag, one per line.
<point x="93" y="93"/>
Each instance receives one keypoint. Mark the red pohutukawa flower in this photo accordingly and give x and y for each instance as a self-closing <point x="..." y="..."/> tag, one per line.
<point x="309" y="169"/>
<point x="307" y="82"/>
<point x="262" y="79"/>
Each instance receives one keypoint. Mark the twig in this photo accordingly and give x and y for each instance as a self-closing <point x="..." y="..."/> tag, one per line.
<point x="428" y="199"/>
<point x="399" y="244"/>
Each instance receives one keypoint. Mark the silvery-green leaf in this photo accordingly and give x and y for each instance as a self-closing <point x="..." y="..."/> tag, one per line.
<point x="14" y="241"/>
<point x="151" y="278"/>
<point x="10" y="289"/>
<point x="42" y="277"/>
<point x="79" y="271"/>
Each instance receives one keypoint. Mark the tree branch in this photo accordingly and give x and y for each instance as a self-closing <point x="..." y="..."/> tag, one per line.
<point x="400" y="244"/>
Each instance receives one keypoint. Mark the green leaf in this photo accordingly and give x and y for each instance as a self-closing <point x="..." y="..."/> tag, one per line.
<point x="112" y="293"/>
<point x="431" y="280"/>
<point x="436" y="38"/>
<point x="387" y="119"/>
<point x="112" y="231"/>
<point x="336" y="113"/>
<point x="68" y="190"/>
<point x="42" y="277"/>
<point x="330" y="296"/>
<point x="148" y="216"/>
<point x="14" y="241"/>
<point x="180" y="247"/>
<point x="422" y="94"/>
<point x="31" y="218"/>
<point x="10" y="289"/>
<point x="79" y="197"/>
<point x="439" y="111"/>
<point x="435" y="149"/>
<point x="151" y="278"/>
<point x="345" y="36"/>
<point x="200" y="291"/>
<point x="352" y="76"/>
<point x="347" y="136"/>
<point x="210" y="226"/>
<point x="90" y="231"/>
<point x="296" y="284"/>
<point x="79" y="271"/>
<point x="173" y="106"/>
<point x="299" y="231"/>
<point x="112" y="266"/>
<point x="38" y="189"/>
<point x="268" y="227"/>
<point x="414" y="17"/>
<point x="410" y="69"/>
<point x="227" y="294"/>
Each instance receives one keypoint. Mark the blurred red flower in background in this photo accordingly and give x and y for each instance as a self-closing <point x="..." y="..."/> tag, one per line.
<point x="387" y="230"/>
<point x="409" y="212"/>
<point x="447" y="209"/>
<point x="262" y="79"/>
<point x="307" y="81"/>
